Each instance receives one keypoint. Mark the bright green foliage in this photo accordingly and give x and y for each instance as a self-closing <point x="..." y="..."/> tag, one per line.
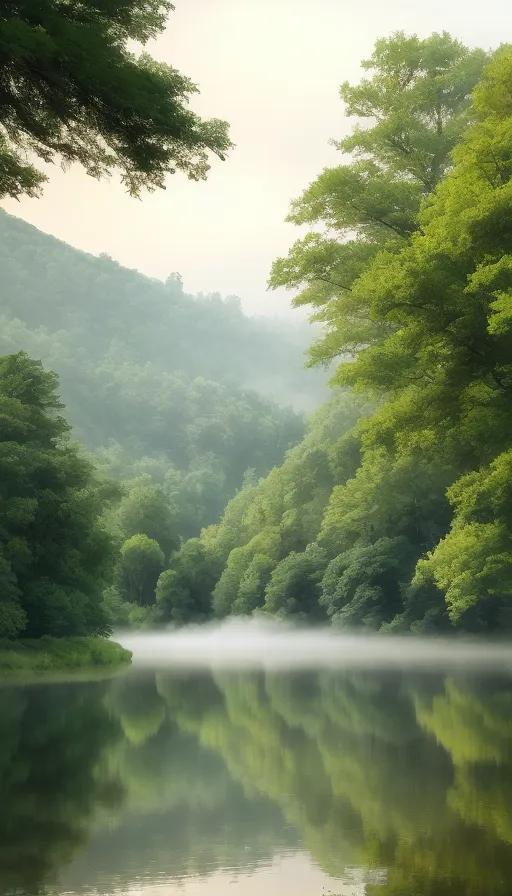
<point x="243" y="573"/>
<point x="73" y="92"/>
<point x="281" y="514"/>
<point x="408" y="516"/>
<point x="54" y="556"/>
<point x="140" y="564"/>
<point x="446" y="364"/>
<point x="416" y="101"/>
<point x="473" y="563"/>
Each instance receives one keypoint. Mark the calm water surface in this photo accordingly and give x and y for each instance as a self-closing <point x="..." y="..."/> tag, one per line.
<point x="262" y="778"/>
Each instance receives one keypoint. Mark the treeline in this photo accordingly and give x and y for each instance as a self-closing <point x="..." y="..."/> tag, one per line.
<point x="402" y="519"/>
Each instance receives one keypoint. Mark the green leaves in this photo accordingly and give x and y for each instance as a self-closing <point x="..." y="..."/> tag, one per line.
<point x="417" y="101"/>
<point x="141" y="563"/>
<point x="74" y="93"/>
<point x="54" y="556"/>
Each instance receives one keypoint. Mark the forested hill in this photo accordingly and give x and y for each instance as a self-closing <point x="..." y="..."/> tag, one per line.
<point x="90" y="308"/>
<point x="156" y="383"/>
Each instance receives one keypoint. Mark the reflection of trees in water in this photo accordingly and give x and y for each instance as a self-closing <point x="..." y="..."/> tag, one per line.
<point x="386" y="770"/>
<point x="192" y="771"/>
<point x="183" y="814"/>
<point x="51" y="777"/>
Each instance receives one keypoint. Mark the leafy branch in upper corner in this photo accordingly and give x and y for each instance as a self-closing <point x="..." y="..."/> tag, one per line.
<point x="71" y="91"/>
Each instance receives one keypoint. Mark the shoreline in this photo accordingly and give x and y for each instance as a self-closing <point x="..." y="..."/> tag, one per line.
<point x="48" y="656"/>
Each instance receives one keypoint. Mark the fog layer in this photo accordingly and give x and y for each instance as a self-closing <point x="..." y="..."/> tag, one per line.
<point x="246" y="643"/>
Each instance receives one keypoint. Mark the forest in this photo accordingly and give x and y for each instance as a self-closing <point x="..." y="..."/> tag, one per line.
<point x="156" y="464"/>
<point x="393" y="513"/>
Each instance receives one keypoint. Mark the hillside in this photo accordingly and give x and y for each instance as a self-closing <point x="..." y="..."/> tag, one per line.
<point x="91" y="306"/>
<point x="155" y="381"/>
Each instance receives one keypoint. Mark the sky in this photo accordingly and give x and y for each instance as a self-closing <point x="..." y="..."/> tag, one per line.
<point x="272" y="68"/>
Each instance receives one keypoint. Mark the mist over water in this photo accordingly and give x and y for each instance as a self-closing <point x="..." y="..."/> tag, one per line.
<point x="247" y="643"/>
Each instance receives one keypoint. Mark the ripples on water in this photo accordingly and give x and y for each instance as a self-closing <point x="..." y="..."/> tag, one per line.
<point x="257" y="642"/>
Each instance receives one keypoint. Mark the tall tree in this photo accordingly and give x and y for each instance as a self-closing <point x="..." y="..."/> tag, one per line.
<point x="71" y="90"/>
<point x="54" y="556"/>
<point x="416" y="104"/>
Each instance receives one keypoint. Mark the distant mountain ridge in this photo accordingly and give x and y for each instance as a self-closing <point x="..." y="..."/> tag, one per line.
<point x="46" y="283"/>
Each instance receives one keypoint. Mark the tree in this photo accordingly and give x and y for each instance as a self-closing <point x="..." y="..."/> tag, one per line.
<point x="362" y="585"/>
<point x="294" y="586"/>
<point x="74" y="92"/>
<point x="145" y="510"/>
<point x="183" y="591"/>
<point x="139" y="567"/>
<point x="473" y="563"/>
<point x="417" y="103"/>
<point x="55" y="557"/>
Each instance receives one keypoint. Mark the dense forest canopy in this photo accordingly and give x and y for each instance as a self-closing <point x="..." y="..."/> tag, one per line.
<point x="73" y="307"/>
<point x="402" y="520"/>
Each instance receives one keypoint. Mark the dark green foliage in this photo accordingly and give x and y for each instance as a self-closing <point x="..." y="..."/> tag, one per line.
<point x="139" y="567"/>
<point x="55" y="555"/>
<point x="184" y="591"/>
<point x="73" y="92"/>
<point x="294" y="586"/>
<point x="52" y="741"/>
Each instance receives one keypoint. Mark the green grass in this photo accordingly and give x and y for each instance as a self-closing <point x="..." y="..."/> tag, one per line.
<point x="60" y="655"/>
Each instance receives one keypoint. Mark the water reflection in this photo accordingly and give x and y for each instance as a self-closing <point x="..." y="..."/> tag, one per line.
<point x="391" y="782"/>
<point x="53" y="778"/>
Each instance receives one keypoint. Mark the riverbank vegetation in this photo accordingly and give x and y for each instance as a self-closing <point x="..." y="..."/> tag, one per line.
<point x="31" y="656"/>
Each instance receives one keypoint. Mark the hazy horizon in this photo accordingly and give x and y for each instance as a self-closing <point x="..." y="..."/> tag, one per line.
<point x="274" y="73"/>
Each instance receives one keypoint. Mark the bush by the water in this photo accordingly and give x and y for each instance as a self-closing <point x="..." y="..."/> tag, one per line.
<point x="49" y="654"/>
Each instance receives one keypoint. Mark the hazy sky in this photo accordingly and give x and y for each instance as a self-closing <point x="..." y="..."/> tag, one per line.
<point x="271" y="68"/>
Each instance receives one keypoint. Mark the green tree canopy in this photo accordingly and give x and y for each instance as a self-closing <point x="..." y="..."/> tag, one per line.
<point x="73" y="91"/>
<point x="140" y="565"/>
<point x="54" y="555"/>
<point x="416" y="103"/>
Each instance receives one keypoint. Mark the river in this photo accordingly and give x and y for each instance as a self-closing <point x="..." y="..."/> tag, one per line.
<point x="259" y="761"/>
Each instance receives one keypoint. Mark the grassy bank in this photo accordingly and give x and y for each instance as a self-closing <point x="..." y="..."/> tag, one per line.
<point x="56" y="655"/>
